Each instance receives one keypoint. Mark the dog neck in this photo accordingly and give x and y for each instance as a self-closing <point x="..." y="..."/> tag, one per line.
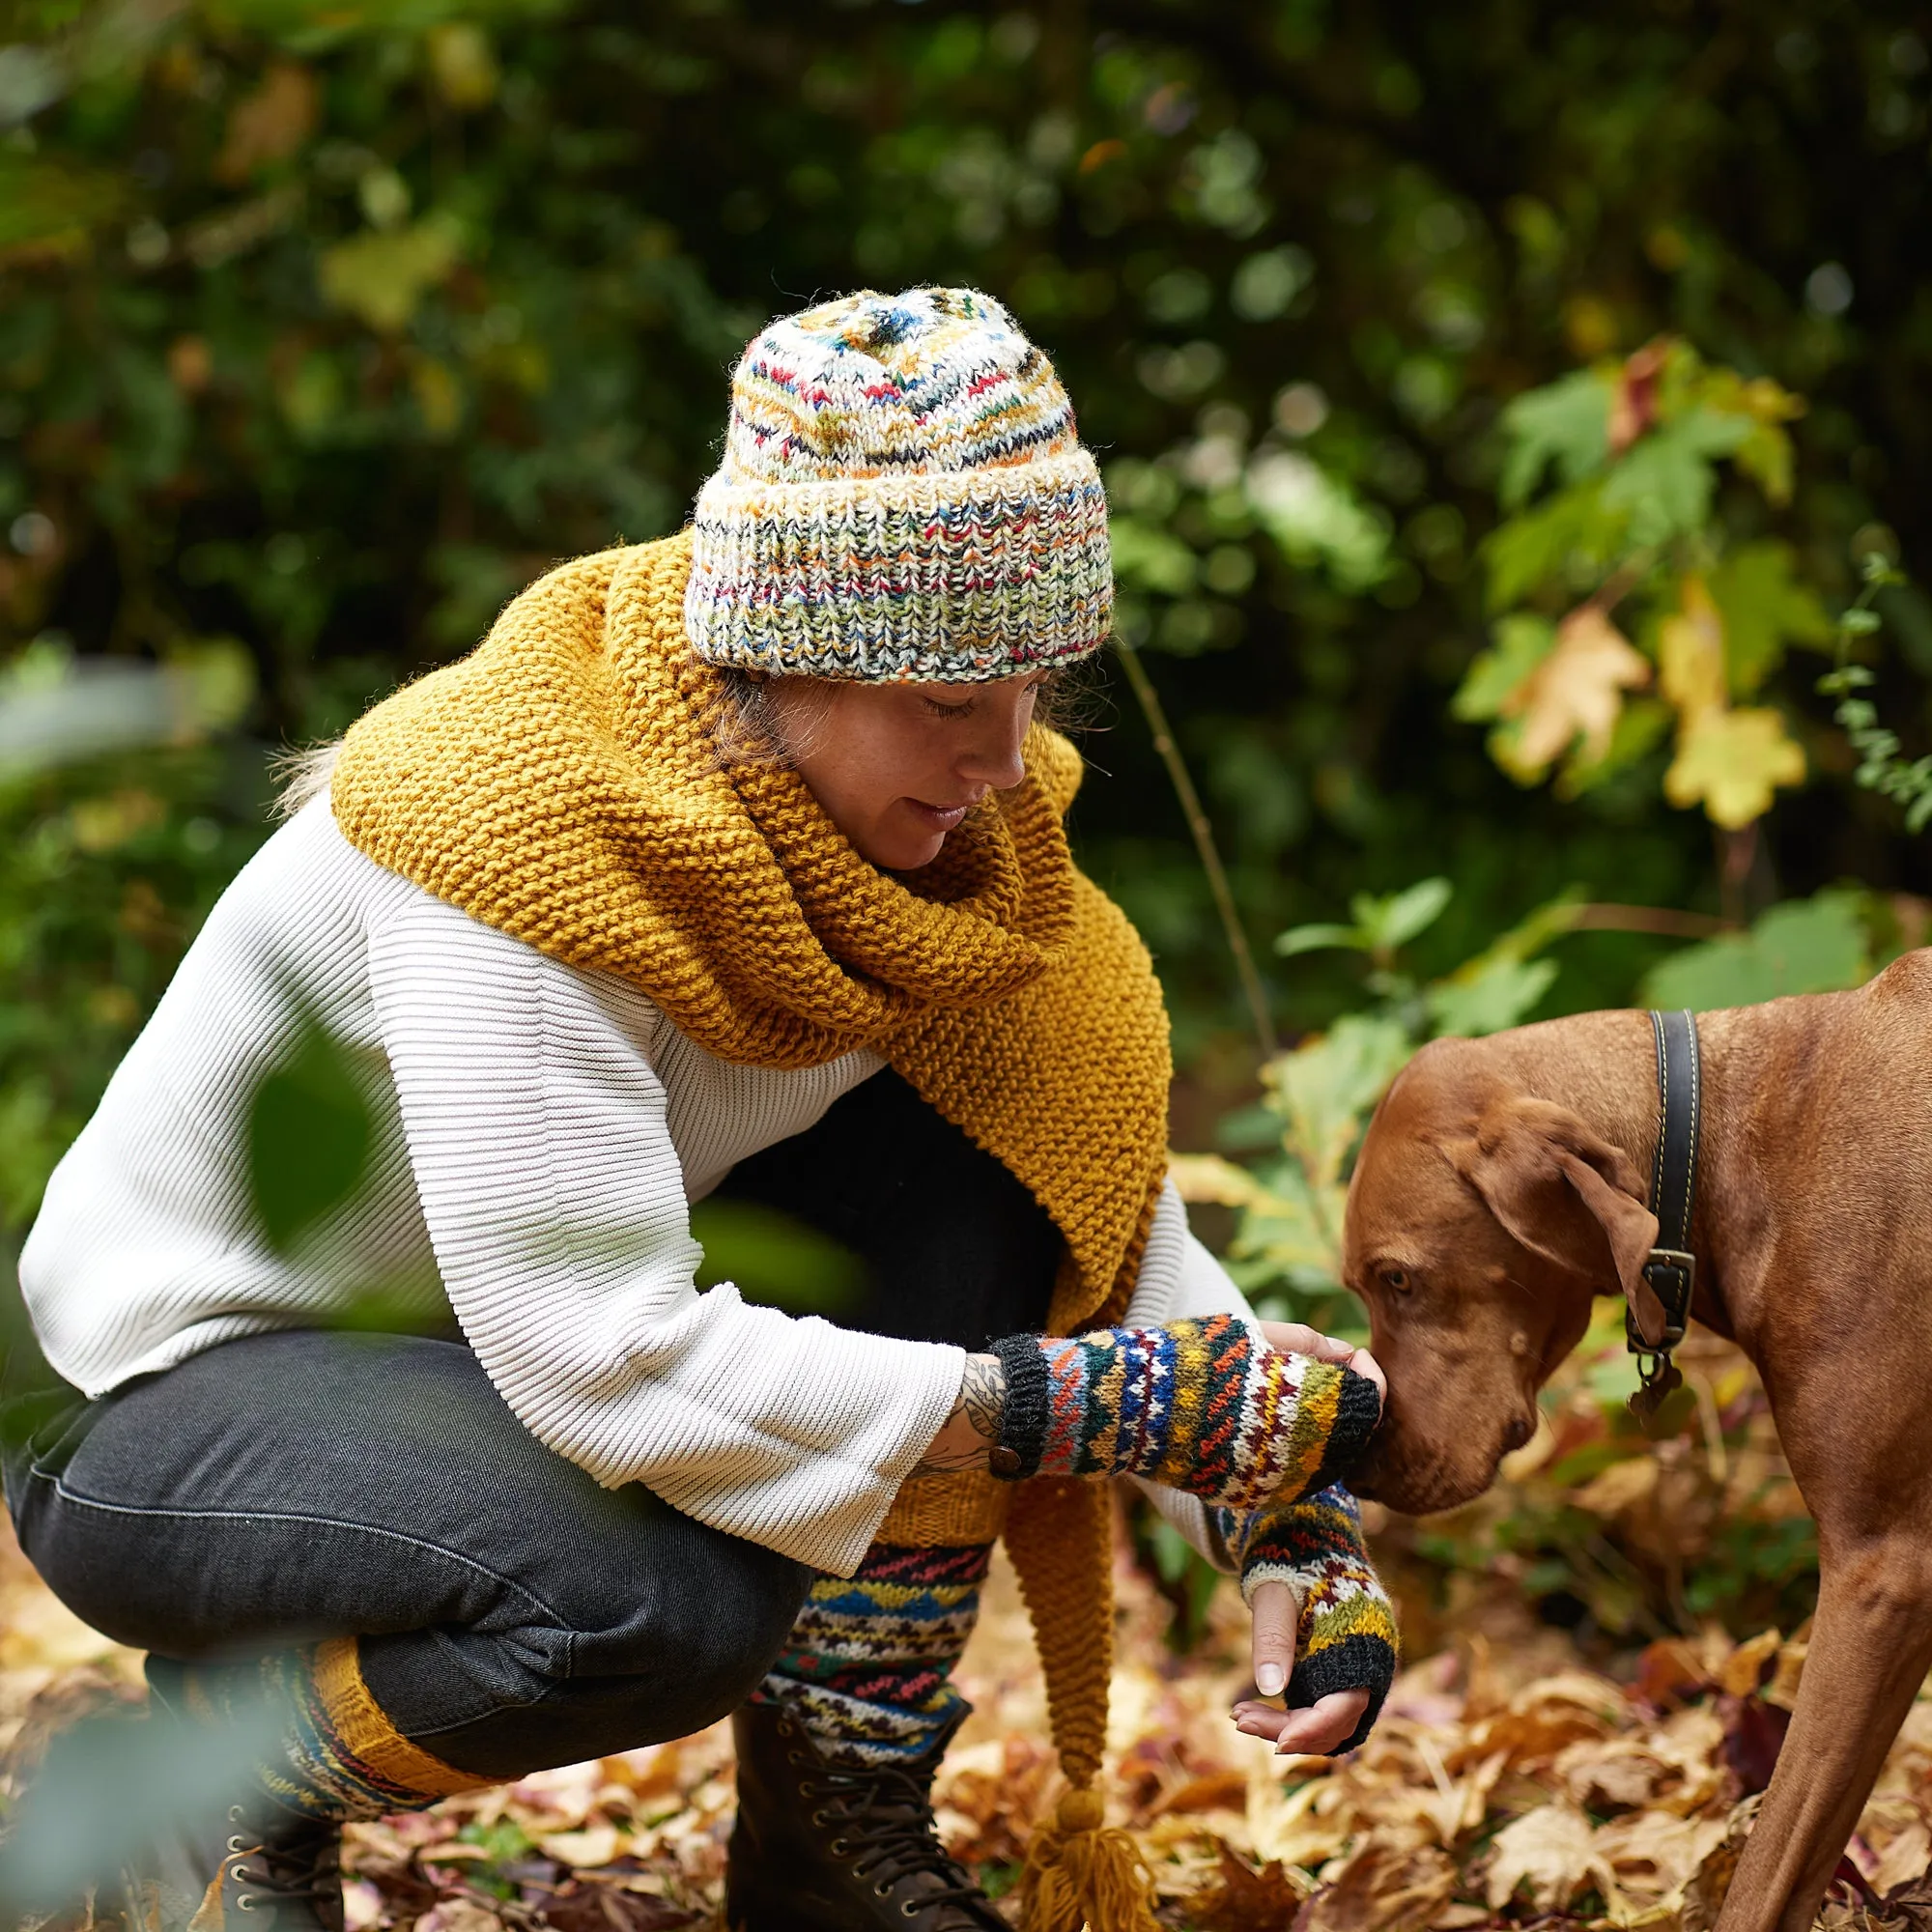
<point x="1603" y="1067"/>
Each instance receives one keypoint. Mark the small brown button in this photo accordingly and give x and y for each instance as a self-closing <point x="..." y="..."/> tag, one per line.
<point x="1004" y="1462"/>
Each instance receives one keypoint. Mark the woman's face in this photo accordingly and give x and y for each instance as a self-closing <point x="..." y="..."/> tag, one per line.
<point x="897" y="766"/>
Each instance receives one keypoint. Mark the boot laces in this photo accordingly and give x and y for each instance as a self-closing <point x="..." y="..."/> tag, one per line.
<point x="886" y="1818"/>
<point x="285" y="1874"/>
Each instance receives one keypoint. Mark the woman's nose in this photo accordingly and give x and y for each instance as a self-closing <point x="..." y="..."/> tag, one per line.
<point x="995" y="758"/>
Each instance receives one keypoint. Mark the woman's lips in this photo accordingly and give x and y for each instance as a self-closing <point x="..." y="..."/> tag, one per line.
<point x="939" y="817"/>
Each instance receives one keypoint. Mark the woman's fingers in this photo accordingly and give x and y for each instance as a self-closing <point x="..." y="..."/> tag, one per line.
<point x="1313" y="1731"/>
<point x="1276" y="1613"/>
<point x="1297" y="1338"/>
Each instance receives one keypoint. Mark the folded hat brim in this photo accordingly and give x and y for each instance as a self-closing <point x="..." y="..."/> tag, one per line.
<point x="917" y="575"/>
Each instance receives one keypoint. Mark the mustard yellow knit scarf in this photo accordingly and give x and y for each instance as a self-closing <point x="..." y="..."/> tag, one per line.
<point x="562" y="784"/>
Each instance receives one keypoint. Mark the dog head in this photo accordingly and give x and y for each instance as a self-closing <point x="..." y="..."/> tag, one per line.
<point x="1481" y="1221"/>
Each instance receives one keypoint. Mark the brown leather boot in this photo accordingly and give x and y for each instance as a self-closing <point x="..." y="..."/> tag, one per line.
<point x="824" y="1847"/>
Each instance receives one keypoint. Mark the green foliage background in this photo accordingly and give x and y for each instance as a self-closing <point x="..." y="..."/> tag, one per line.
<point x="323" y="326"/>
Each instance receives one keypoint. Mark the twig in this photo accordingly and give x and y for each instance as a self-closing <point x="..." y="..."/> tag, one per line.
<point x="1204" y="843"/>
<point x="1737" y="853"/>
<point x="1660" y="920"/>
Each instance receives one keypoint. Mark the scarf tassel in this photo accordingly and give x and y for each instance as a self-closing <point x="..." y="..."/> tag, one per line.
<point x="1081" y="1872"/>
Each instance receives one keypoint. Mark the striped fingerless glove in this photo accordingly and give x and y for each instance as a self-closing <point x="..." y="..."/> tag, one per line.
<point x="1346" y="1639"/>
<point x="1203" y="1406"/>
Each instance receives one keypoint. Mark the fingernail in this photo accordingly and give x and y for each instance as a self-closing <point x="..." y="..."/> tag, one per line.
<point x="1270" y="1679"/>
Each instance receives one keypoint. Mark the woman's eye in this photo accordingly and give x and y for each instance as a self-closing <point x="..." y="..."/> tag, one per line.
<point x="939" y="710"/>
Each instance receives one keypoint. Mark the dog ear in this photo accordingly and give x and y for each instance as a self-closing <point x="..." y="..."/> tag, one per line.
<point x="1566" y="1194"/>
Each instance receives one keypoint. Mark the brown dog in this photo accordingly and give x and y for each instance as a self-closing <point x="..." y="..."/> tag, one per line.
<point x="1502" y="1184"/>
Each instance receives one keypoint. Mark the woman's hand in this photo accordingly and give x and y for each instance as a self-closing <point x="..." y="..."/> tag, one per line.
<point x="1297" y="1338"/>
<point x="1319" y="1728"/>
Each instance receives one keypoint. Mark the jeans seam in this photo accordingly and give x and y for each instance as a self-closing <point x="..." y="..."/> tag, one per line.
<point x="73" y="1496"/>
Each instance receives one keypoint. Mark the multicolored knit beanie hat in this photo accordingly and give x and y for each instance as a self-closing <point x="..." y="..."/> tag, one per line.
<point x="903" y="496"/>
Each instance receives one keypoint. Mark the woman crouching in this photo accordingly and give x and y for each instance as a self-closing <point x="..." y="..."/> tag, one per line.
<point x="731" y="864"/>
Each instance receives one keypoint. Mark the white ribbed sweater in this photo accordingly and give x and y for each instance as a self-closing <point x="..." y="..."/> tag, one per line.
<point x="540" y="1132"/>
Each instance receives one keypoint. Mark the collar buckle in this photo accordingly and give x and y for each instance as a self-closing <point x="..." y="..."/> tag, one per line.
<point x="1672" y="1275"/>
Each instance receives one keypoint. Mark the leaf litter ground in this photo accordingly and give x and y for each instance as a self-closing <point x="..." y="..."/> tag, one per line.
<point x="1512" y="1780"/>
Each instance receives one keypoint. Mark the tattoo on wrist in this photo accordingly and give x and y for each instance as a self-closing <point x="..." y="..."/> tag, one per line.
<point x="985" y="1395"/>
<point x="982" y="1395"/>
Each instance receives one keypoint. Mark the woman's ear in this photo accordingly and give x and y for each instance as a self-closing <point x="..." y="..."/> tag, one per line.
<point x="1565" y="1193"/>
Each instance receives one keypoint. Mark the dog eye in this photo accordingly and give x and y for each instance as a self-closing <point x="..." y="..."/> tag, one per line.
<point x="1396" y="1280"/>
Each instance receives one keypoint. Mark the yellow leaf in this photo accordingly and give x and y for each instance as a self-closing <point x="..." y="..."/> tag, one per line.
<point x="1691" y="653"/>
<point x="1574" y="692"/>
<point x="382" y="276"/>
<point x="1654" y="1854"/>
<point x="1209" y="1179"/>
<point x="1903" y="1858"/>
<point x="596" y="1845"/>
<point x="1730" y="762"/>
<point x="1624" y="1486"/>
<point x="1782" y="1690"/>
<point x="438" y="395"/>
<point x="1744" y="1667"/>
<point x="463" y="64"/>
<point x="1551" y="1853"/>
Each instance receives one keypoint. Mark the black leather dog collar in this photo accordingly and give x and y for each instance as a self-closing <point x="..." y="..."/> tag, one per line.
<point x="1671" y="1270"/>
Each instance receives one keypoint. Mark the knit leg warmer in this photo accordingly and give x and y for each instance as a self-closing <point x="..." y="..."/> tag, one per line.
<point x="1201" y="1404"/>
<point x="867" y="1667"/>
<point x="334" y="1753"/>
<point x="1346" y="1637"/>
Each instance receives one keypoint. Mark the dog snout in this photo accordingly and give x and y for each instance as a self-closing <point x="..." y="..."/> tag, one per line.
<point x="1516" y="1432"/>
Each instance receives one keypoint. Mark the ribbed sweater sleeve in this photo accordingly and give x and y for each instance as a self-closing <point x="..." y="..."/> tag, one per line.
<point x="555" y="1202"/>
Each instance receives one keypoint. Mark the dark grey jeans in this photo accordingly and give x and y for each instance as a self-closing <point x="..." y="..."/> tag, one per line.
<point x="512" y="1613"/>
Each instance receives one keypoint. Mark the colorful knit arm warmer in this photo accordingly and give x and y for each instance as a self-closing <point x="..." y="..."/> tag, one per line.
<point x="1346" y="1638"/>
<point x="1202" y="1404"/>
